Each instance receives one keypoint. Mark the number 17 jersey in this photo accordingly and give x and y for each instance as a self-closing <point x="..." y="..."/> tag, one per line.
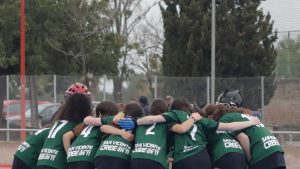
<point x="53" y="153"/>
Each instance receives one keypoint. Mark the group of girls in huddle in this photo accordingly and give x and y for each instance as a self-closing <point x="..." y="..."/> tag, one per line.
<point x="221" y="136"/>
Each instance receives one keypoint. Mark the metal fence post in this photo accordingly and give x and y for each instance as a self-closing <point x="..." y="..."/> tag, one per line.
<point x="207" y="90"/>
<point x="7" y="98"/>
<point x="54" y="89"/>
<point x="213" y="50"/>
<point x="155" y="86"/>
<point x="104" y="87"/>
<point x="262" y="97"/>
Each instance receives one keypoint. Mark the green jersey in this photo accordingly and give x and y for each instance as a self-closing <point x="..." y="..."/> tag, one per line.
<point x="151" y="143"/>
<point x="191" y="142"/>
<point x="29" y="150"/>
<point x="84" y="147"/>
<point x="262" y="142"/>
<point x="220" y="143"/>
<point x="107" y="120"/>
<point x="53" y="153"/>
<point x="114" y="145"/>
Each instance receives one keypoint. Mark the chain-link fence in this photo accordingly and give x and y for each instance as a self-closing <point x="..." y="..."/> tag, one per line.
<point x="288" y="54"/>
<point x="277" y="98"/>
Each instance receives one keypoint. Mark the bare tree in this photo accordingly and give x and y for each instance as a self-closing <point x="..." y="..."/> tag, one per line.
<point x="127" y="14"/>
<point x="149" y="50"/>
<point x="89" y="26"/>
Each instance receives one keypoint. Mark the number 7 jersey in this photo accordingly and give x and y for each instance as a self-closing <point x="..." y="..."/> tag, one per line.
<point x="193" y="141"/>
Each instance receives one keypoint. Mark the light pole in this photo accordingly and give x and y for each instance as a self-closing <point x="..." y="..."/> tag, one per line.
<point x="22" y="67"/>
<point x="213" y="50"/>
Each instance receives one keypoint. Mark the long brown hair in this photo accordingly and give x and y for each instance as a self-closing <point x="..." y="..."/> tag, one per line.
<point x="182" y="104"/>
<point x="106" y="108"/>
<point x="78" y="129"/>
<point x="158" y="106"/>
<point x="133" y="110"/>
<point x="76" y="108"/>
<point x="217" y="111"/>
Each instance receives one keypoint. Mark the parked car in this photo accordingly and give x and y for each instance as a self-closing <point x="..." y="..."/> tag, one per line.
<point x="12" y="107"/>
<point x="45" y="112"/>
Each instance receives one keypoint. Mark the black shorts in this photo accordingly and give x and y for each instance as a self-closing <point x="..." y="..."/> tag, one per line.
<point x="274" y="161"/>
<point x="81" y="165"/>
<point x="232" y="161"/>
<point x="140" y="163"/>
<point x="107" y="162"/>
<point x="199" y="160"/>
<point x="44" y="167"/>
<point x="19" y="164"/>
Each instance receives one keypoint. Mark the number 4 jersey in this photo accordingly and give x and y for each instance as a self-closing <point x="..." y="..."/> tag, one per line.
<point x="84" y="147"/>
<point x="262" y="142"/>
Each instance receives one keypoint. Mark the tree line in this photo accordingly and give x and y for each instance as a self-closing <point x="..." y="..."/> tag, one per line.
<point x="107" y="37"/>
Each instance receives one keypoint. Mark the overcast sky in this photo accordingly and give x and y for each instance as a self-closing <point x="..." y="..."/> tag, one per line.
<point x="285" y="13"/>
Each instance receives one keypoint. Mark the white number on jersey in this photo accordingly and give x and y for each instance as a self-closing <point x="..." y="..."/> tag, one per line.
<point x="86" y="131"/>
<point x="39" y="131"/>
<point x="149" y="130"/>
<point x="248" y="117"/>
<point x="193" y="132"/>
<point x="56" y="127"/>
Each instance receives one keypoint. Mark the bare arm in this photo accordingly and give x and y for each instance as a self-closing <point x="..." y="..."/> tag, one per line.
<point x="92" y="121"/>
<point x="245" y="143"/>
<point x="118" y="116"/>
<point x="67" y="137"/>
<point x="113" y="130"/>
<point x="186" y="125"/>
<point x="238" y="125"/>
<point x="151" y="119"/>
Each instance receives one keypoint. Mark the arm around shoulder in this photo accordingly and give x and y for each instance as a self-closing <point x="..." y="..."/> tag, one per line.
<point x="113" y="130"/>
<point x="239" y="125"/>
<point x="186" y="125"/>
<point x="93" y="121"/>
<point x="151" y="119"/>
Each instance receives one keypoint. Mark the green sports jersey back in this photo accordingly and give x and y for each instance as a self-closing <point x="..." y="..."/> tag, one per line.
<point x="53" y="153"/>
<point x="191" y="142"/>
<point x="114" y="145"/>
<point x="263" y="143"/>
<point x="220" y="143"/>
<point x="151" y="143"/>
<point x="29" y="150"/>
<point x="84" y="147"/>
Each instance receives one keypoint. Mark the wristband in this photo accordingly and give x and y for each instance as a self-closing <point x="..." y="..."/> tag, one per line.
<point x="193" y="118"/>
